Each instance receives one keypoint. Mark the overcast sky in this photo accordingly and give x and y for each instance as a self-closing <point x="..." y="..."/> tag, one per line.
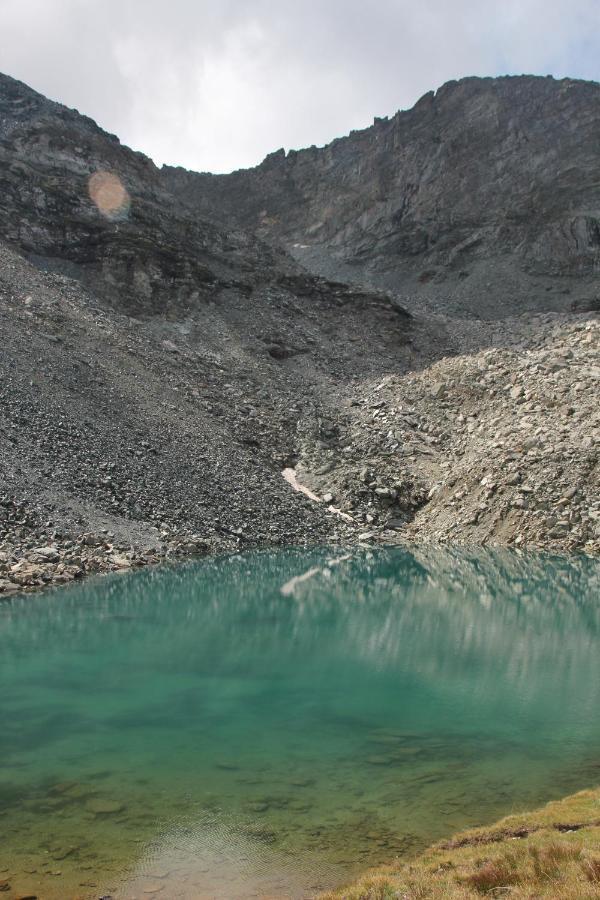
<point x="215" y="85"/>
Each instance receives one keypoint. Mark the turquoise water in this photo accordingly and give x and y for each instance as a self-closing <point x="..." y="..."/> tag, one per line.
<point x="268" y="725"/>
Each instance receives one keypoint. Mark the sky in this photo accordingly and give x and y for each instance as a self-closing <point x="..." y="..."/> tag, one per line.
<point x="215" y="85"/>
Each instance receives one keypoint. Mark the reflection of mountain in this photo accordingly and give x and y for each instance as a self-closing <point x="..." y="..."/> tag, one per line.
<point x="507" y="627"/>
<point x="453" y="618"/>
<point x="516" y="612"/>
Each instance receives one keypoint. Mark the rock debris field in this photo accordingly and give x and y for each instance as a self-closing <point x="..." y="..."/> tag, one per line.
<point x="497" y="447"/>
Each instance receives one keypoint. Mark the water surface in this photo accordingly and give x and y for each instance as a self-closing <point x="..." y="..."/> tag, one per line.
<point x="270" y="724"/>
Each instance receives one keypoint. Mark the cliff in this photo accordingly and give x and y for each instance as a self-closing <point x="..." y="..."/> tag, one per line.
<point x="485" y="177"/>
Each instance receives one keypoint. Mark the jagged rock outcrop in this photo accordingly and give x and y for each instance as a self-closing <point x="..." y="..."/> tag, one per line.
<point x="485" y="172"/>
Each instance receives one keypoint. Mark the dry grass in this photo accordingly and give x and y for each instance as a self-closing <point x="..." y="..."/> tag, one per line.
<point x="493" y="875"/>
<point x="591" y="869"/>
<point x="551" y="853"/>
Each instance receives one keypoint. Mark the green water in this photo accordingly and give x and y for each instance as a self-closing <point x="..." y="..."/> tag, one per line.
<point x="222" y="730"/>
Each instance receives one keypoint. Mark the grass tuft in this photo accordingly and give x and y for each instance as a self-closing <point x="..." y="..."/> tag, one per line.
<point x="493" y="874"/>
<point x="550" y="860"/>
<point x="591" y="869"/>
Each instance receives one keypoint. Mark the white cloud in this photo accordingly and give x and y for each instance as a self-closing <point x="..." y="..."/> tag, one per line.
<point x="215" y="86"/>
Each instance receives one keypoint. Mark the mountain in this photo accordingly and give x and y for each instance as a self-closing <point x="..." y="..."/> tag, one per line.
<point x="486" y="180"/>
<point x="390" y="316"/>
<point x="133" y="243"/>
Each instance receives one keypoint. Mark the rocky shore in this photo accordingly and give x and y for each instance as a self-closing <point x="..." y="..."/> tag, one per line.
<point x="31" y="568"/>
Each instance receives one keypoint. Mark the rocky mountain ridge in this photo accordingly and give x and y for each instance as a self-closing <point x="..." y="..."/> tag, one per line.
<point x="485" y="179"/>
<point x="154" y="365"/>
<point x="76" y="201"/>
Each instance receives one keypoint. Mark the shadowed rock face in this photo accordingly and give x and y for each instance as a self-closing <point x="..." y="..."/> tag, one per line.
<point x="73" y="198"/>
<point x="135" y="244"/>
<point x="483" y="189"/>
<point x="484" y="169"/>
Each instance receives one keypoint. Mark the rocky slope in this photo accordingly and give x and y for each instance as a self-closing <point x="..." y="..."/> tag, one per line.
<point x="144" y="437"/>
<point x="164" y="356"/>
<point x="484" y="196"/>
<point x="499" y="446"/>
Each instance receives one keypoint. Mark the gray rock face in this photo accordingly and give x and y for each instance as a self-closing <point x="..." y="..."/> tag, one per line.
<point x="484" y="170"/>
<point x="474" y="199"/>
<point x="73" y="197"/>
<point x="78" y="202"/>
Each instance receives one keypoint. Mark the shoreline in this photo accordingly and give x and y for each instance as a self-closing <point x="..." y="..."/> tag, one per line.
<point x="553" y="851"/>
<point x="25" y="570"/>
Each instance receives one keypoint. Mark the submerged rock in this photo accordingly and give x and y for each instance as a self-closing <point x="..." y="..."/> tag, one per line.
<point x="104" y="807"/>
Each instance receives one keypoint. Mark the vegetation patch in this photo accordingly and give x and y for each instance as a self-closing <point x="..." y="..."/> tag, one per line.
<point x="551" y="853"/>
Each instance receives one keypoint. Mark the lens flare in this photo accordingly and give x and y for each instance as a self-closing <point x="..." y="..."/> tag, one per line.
<point x="109" y="194"/>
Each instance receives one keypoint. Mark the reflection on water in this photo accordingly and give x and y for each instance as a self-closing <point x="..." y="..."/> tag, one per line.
<point x="197" y="732"/>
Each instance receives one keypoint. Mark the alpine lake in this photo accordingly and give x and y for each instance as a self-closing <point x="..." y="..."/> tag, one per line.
<point x="271" y="724"/>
